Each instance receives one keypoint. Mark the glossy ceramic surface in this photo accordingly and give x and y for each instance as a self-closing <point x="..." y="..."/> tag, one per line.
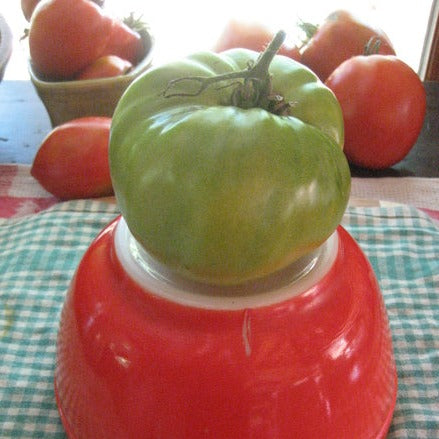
<point x="307" y="356"/>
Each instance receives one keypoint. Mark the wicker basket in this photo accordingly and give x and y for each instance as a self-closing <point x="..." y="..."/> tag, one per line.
<point x="67" y="100"/>
<point x="5" y="45"/>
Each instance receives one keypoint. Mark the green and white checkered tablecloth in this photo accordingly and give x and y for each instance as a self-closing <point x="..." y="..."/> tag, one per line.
<point x="39" y="253"/>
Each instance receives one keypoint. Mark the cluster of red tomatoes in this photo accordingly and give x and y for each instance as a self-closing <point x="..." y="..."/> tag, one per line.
<point x="383" y="100"/>
<point x="79" y="40"/>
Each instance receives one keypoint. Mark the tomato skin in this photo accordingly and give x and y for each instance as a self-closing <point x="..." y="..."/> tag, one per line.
<point x="248" y="35"/>
<point x="383" y="103"/>
<point x="80" y="25"/>
<point x="292" y="52"/>
<point x="224" y="194"/>
<point x="337" y="39"/>
<point x="105" y="67"/>
<point x="28" y="6"/>
<point x="124" y="43"/>
<point x="72" y="161"/>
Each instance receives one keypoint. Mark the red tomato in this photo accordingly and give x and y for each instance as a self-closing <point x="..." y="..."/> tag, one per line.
<point x="383" y="103"/>
<point x="340" y="37"/>
<point x="65" y="36"/>
<point x="253" y="36"/>
<point x="105" y="67"/>
<point x="72" y="161"/>
<point x="28" y="6"/>
<point x="291" y="51"/>
<point x="125" y="43"/>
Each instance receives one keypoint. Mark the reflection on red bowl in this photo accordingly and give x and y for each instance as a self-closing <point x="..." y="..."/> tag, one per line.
<point x="143" y="354"/>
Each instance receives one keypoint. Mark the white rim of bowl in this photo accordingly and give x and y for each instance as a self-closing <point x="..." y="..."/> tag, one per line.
<point x="161" y="281"/>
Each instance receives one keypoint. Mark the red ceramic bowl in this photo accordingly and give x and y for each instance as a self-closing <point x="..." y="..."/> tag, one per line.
<point x="305" y="353"/>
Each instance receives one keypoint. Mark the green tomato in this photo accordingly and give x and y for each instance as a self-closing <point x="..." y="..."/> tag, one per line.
<point x="225" y="194"/>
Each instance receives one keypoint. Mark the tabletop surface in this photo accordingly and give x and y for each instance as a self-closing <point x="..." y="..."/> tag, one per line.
<point x="24" y="123"/>
<point x="43" y="250"/>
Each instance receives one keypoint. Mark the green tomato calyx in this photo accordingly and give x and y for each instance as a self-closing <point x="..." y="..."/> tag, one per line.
<point x="372" y="47"/>
<point x="253" y="86"/>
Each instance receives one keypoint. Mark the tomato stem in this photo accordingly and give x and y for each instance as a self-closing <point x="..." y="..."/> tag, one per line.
<point x="309" y="30"/>
<point x="255" y="89"/>
<point x="372" y="47"/>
